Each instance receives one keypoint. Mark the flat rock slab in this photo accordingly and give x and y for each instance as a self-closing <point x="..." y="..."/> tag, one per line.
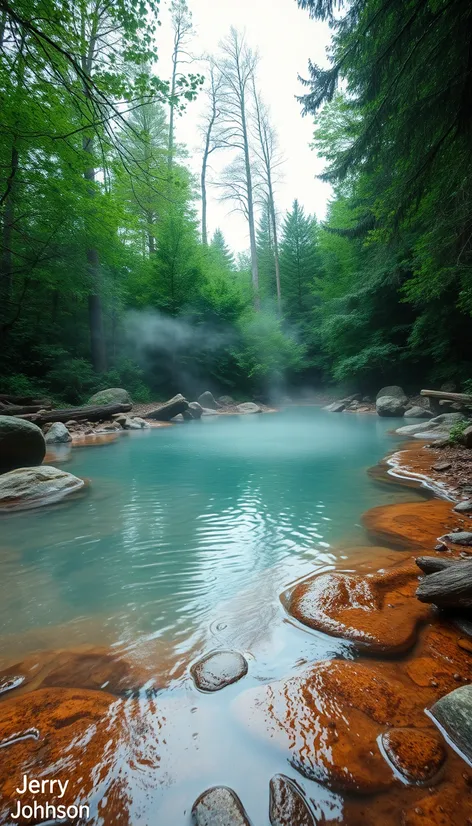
<point x="326" y="722"/>
<point x="416" y="755"/>
<point x="219" y="806"/>
<point x="453" y="713"/>
<point x="218" y="669"/>
<point x="409" y="524"/>
<point x="34" y="487"/>
<point x="287" y="806"/>
<point x="377" y="611"/>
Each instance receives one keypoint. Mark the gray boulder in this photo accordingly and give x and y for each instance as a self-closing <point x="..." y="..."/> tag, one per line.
<point x="417" y="412"/>
<point x="207" y="400"/>
<point x="453" y="714"/>
<point x="226" y="400"/>
<point x="394" y="392"/>
<point x="22" y="444"/>
<point x="110" y="395"/>
<point x="464" y="507"/>
<point x="219" y="806"/>
<point x="218" y="669"/>
<point x="57" y="434"/>
<point x="248" y="407"/>
<point x="390" y="406"/>
<point x="458" y="538"/>
<point x="195" y="410"/>
<point x="144" y="425"/>
<point x="335" y="407"/>
<point x="167" y="411"/>
<point x="34" y="487"/>
<point x="207" y="411"/>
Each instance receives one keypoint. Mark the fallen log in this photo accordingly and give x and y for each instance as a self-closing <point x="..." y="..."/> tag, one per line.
<point x="91" y="413"/>
<point x="16" y="410"/>
<point x="462" y="398"/>
<point x="22" y="400"/>
<point x="167" y="411"/>
<point x="450" y="588"/>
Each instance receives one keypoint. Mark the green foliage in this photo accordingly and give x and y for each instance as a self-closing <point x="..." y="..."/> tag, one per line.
<point x="268" y="351"/>
<point x="457" y="431"/>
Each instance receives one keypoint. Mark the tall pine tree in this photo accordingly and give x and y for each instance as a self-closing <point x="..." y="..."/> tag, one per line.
<point x="299" y="263"/>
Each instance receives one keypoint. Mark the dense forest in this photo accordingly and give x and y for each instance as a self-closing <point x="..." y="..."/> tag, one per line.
<point x="108" y="273"/>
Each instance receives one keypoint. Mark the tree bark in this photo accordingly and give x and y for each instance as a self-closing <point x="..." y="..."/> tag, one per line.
<point x="90" y="413"/>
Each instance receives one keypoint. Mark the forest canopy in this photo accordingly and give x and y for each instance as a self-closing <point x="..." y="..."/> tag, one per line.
<point x="109" y="274"/>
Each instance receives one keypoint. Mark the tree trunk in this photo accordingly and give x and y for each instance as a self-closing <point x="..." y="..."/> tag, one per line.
<point x="276" y="247"/>
<point x="250" y="211"/>
<point x="204" y="195"/>
<point x="6" y="259"/>
<point x="90" y="413"/>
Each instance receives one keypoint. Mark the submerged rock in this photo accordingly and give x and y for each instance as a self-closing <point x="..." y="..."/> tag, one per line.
<point x="248" y="407"/>
<point x="219" y="806"/>
<point x="34" y="487"/>
<point x="410" y="524"/>
<point x="327" y="721"/>
<point x="390" y="406"/>
<point x="287" y="805"/>
<point x="22" y="444"/>
<point x="110" y="395"/>
<point x="219" y="669"/>
<point x="58" y="434"/>
<point x="453" y="713"/>
<point x="416" y="755"/>
<point x="46" y="727"/>
<point x="207" y="400"/>
<point x="377" y="611"/>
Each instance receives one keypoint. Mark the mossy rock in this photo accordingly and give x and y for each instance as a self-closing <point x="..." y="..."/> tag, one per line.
<point x="22" y="444"/>
<point x="112" y="395"/>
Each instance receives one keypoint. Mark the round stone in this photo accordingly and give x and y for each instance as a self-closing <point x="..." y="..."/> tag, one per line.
<point x="288" y="806"/>
<point x="218" y="669"/>
<point x="416" y="755"/>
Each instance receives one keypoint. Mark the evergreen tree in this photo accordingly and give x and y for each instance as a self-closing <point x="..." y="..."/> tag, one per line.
<point x="221" y="252"/>
<point x="299" y="263"/>
<point x="266" y="257"/>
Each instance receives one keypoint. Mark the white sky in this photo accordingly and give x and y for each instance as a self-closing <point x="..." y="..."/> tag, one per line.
<point x="285" y="38"/>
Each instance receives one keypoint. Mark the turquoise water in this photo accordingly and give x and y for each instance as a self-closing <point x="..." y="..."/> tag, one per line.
<point x="183" y="543"/>
<point x="181" y="519"/>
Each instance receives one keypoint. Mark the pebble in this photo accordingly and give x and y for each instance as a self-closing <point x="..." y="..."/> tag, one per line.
<point x="218" y="669"/>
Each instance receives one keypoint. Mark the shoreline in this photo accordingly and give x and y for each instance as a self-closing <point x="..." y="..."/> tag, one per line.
<point x="427" y="663"/>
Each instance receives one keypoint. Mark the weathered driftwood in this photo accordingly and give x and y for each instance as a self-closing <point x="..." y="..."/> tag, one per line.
<point x="450" y="588"/>
<point x="90" y="413"/>
<point x="433" y="564"/>
<point x="167" y="411"/>
<point x="462" y="398"/>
